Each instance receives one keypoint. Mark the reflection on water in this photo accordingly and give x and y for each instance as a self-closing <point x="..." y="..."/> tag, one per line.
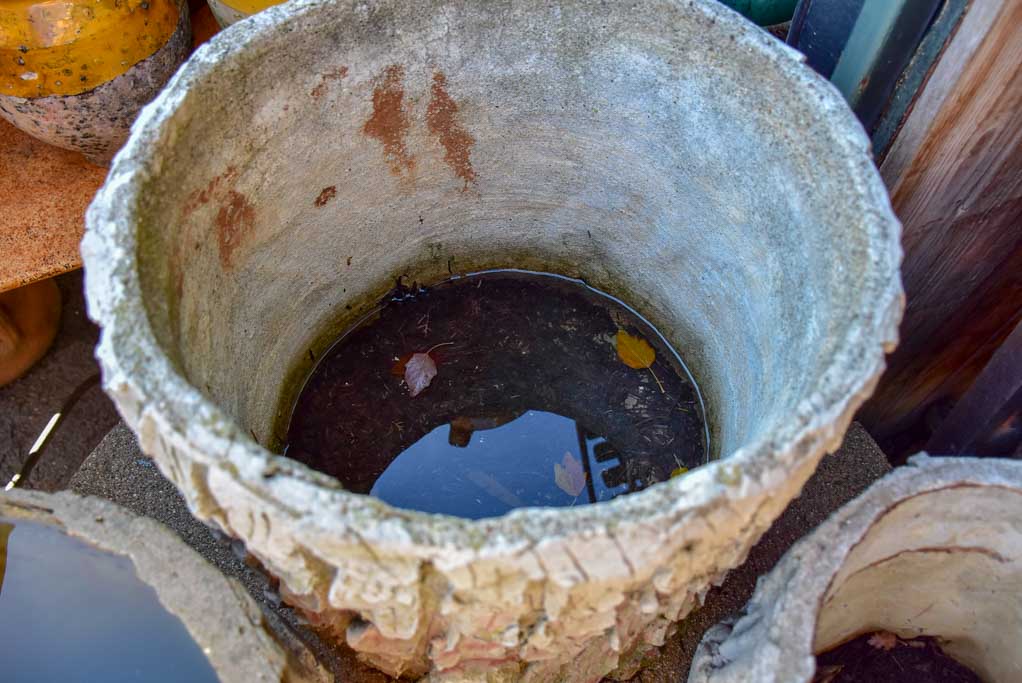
<point x="5" y="532"/>
<point x="485" y="467"/>
<point x="70" y="612"/>
<point x="525" y="370"/>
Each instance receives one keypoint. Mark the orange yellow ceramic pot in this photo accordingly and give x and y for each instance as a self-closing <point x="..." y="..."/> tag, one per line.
<point x="75" y="73"/>
<point x="229" y="11"/>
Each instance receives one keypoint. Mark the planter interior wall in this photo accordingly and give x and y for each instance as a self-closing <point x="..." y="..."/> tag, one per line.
<point x="668" y="153"/>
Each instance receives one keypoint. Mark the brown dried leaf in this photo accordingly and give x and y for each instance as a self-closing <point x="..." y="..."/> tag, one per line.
<point x="419" y="372"/>
<point x="635" y="352"/>
<point x="883" y="640"/>
<point x="827" y="674"/>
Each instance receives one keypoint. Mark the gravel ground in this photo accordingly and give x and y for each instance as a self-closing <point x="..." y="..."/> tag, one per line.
<point x="27" y="404"/>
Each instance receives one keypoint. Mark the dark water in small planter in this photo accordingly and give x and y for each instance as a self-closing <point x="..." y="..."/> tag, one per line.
<point x="70" y="612"/>
<point x="531" y="404"/>
<point x="882" y="657"/>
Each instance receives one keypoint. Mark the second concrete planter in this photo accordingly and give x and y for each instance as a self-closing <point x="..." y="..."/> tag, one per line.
<point x="934" y="548"/>
<point x="223" y="620"/>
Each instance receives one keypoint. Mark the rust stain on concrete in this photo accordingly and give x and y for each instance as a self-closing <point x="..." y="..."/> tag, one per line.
<point x="234" y="220"/>
<point x="325" y="78"/>
<point x="442" y="119"/>
<point x="203" y="196"/>
<point x="326" y="195"/>
<point x="389" y="123"/>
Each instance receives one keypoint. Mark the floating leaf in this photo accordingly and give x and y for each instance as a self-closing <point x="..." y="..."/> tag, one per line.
<point x="678" y="471"/>
<point x="569" y="476"/>
<point x="883" y="640"/>
<point x="635" y="352"/>
<point x="419" y="372"/>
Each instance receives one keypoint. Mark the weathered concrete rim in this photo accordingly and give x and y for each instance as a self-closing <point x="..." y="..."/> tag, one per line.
<point x="238" y="623"/>
<point x="135" y="365"/>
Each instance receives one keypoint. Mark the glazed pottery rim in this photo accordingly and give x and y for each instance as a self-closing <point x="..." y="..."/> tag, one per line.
<point x="135" y="365"/>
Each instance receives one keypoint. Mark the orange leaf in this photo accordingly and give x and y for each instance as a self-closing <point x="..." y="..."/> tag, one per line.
<point x="635" y="352"/>
<point x="883" y="640"/>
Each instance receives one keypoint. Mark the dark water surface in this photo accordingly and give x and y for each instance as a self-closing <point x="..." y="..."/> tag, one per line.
<point x="70" y="612"/>
<point x="528" y="380"/>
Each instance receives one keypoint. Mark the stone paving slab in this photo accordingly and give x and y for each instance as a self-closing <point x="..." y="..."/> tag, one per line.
<point x="44" y="191"/>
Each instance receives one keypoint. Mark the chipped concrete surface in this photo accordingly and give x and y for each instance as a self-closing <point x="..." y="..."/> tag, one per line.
<point x="667" y="153"/>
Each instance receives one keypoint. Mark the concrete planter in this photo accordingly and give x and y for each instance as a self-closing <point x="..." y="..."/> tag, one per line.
<point x="669" y="153"/>
<point x="931" y="549"/>
<point x="217" y="612"/>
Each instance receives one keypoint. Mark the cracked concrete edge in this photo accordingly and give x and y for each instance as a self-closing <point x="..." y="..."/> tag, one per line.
<point x="557" y="577"/>
<point x="773" y="639"/>
<point x="216" y="610"/>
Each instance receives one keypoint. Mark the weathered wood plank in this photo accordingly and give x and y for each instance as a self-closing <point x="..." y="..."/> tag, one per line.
<point x="955" y="175"/>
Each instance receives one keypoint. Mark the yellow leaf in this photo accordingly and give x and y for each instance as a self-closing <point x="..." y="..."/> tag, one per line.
<point x="678" y="471"/>
<point x="635" y="352"/>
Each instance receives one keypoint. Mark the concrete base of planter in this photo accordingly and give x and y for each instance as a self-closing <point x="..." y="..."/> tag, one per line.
<point x="223" y="620"/>
<point x="933" y="549"/>
<point x="119" y="471"/>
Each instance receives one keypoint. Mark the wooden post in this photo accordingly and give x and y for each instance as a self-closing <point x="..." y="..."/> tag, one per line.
<point x="955" y="177"/>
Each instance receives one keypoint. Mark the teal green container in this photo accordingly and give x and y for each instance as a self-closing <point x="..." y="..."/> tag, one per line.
<point x="764" y="12"/>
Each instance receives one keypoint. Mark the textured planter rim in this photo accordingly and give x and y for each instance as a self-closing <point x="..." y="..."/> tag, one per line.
<point x="774" y="638"/>
<point x="113" y="288"/>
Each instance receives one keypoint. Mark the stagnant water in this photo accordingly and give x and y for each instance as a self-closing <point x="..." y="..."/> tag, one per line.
<point x="70" y="612"/>
<point x="532" y="402"/>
